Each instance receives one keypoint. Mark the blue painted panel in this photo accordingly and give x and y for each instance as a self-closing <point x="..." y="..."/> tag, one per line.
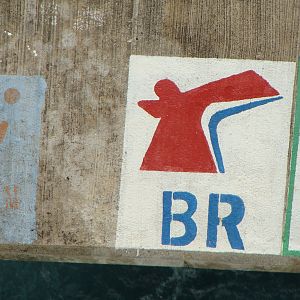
<point x="19" y="157"/>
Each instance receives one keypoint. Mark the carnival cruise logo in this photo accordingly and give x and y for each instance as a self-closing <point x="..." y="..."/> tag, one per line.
<point x="179" y="143"/>
<point x="205" y="155"/>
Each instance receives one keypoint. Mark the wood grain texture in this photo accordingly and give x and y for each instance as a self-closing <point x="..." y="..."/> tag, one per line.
<point x="252" y="29"/>
<point x="82" y="48"/>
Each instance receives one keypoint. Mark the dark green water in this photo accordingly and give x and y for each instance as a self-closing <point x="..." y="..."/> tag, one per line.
<point x="26" y="280"/>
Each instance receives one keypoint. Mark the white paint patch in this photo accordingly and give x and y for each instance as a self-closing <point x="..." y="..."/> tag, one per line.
<point x="8" y="33"/>
<point x="254" y="147"/>
<point x="89" y="18"/>
<point x="50" y="10"/>
<point x="34" y="52"/>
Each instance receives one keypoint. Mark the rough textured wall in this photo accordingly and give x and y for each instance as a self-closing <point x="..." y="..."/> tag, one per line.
<point x="82" y="50"/>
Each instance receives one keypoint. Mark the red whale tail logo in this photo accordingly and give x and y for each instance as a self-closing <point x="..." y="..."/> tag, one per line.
<point x="179" y="143"/>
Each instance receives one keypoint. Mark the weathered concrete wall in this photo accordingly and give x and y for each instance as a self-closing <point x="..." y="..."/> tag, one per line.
<point x="82" y="49"/>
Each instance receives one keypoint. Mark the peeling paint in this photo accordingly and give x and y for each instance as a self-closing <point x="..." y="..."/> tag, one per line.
<point x="89" y="18"/>
<point x="21" y="102"/>
<point x="8" y="33"/>
<point x="50" y="10"/>
<point x="34" y="52"/>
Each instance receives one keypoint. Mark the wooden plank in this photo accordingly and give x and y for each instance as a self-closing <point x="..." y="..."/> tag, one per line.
<point x="82" y="50"/>
<point x="224" y="29"/>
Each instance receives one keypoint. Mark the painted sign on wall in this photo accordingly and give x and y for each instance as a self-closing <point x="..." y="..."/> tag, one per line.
<point x="205" y="154"/>
<point x="291" y="245"/>
<point x="21" y="102"/>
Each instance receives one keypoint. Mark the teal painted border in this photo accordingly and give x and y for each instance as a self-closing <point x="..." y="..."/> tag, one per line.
<point x="286" y="237"/>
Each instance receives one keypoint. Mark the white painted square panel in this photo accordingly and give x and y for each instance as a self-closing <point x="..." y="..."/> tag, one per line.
<point x="205" y="154"/>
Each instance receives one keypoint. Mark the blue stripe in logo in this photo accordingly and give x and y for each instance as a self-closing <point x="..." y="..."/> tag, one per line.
<point x="222" y="114"/>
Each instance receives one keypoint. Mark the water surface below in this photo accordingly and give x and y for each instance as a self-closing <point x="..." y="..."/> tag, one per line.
<point x="32" y="280"/>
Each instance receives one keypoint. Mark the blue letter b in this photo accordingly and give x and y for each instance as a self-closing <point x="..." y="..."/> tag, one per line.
<point x="185" y="218"/>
